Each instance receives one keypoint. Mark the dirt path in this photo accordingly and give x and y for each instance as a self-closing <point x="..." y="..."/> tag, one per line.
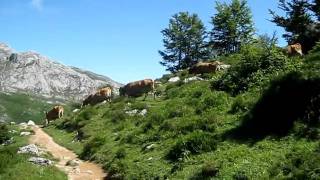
<point x="85" y="170"/>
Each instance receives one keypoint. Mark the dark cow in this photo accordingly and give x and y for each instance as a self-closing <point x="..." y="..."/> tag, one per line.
<point x="138" y="88"/>
<point x="205" y="67"/>
<point x="101" y="95"/>
<point x="55" y="113"/>
<point x="294" y="49"/>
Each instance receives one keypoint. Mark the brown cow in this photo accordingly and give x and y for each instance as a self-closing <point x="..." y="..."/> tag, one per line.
<point x="294" y="49"/>
<point x="55" y="113"/>
<point x="138" y="88"/>
<point x="205" y="67"/>
<point x="101" y="95"/>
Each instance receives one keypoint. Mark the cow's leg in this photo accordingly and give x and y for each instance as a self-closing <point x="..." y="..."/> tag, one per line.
<point x="145" y="96"/>
<point x="46" y="122"/>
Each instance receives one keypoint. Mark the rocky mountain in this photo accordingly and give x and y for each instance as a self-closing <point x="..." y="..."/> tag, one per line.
<point x="31" y="73"/>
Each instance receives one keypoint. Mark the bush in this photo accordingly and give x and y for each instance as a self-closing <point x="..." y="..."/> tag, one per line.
<point x="194" y="143"/>
<point x="208" y="171"/>
<point x="260" y="56"/>
<point x="4" y="134"/>
<point x="91" y="147"/>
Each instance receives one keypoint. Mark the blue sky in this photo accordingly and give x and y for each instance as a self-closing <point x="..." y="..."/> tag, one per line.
<point x="118" y="38"/>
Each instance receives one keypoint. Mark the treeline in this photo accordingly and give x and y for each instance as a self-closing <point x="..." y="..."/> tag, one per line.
<point x="187" y="41"/>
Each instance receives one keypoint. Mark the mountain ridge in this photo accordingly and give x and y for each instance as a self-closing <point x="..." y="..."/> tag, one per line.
<point x="31" y="72"/>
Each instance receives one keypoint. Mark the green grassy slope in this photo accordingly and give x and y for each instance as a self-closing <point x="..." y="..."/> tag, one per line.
<point x="21" y="108"/>
<point x="16" y="166"/>
<point x="258" y="123"/>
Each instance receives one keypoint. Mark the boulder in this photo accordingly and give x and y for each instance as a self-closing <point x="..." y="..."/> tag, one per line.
<point x="194" y="78"/>
<point x="29" y="149"/>
<point x="27" y="133"/>
<point x="75" y="110"/>
<point x="143" y="112"/>
<point x="31" y="123"/>
<point x="174" y="79"/>
<point x="40" y="161"/>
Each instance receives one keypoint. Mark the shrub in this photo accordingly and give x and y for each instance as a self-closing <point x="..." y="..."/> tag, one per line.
<point x="91" y="147"/>
<point x="207" y="171"/>
<point x="194" y="143"/>
<point x="4" y="134"/>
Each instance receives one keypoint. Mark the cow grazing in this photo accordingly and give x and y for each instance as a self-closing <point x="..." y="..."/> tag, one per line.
<point x="55" y="113"/>
<point x="101" y="95"/>
<point x="205" y="67"/>
<point x="138" y="88"/>
<point x="294" y="49"/>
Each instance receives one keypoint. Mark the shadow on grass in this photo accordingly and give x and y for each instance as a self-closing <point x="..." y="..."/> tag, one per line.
<point x="287" y="100"/>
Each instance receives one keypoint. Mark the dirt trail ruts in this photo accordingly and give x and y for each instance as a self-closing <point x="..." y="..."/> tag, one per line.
<point x="85" y="170"/>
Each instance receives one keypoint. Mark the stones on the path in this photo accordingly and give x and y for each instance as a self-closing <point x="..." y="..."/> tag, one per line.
<point x="31" y="123"/>
<point x="73" y="163"/>
<point x="29" y="149"/>
<point x="40" y="161"/>
<point x="27" y="133"/>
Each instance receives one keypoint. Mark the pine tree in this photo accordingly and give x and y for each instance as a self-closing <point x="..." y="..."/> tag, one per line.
<point x="184" y="42"/>
<point x="232" y="26"/>
<point x="299" y="22"/>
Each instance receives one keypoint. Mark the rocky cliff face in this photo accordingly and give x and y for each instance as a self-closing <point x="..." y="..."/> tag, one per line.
<point x="32" y="73"/>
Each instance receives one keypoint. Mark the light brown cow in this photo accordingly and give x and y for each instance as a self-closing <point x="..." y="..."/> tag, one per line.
<point x="138" y="88"/>
<point x="55" y="113"/>
<point x="205" y="67"/>
<point x="101" y="95"/>
<point x="294" y="49"/>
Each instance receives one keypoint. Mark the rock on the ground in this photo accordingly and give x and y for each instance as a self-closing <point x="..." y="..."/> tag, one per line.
<point x="8" y="142"/>
<point x="195" y="78"/>
<point x="132" y="112"/>
<point x="75" y="110"/>
<point x="40" y="161"/>
<point x="12" y="123"/>
<point x="73" y="163"/>
<point x="25" y="133"/>
<point x="143" y="112"/>
<point x="31" y="123"/>
<point x="174" y="79"/>
<point x="23" y="125"/>
<point x="29" y="149"/>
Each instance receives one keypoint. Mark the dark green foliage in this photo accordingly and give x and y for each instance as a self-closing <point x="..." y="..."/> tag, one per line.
<point x="240" y="176"/>
<point x="299" y="22"/>
<point x="232" y="26"/>
<point x="285" y="102"/>
<point x="194" y="143"/>
<point x="184" y="42"/>
<point x="299" y="165"/>
<point x="208" y="171"/>
<point x="255" y="62"/>
<point x="91" y="147"/>
<point x="4" y="134"/>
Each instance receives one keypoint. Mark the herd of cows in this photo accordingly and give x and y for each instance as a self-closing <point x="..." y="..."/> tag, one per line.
<point x="138" y="88"/>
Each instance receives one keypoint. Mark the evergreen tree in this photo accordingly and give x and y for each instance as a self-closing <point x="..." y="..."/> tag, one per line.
<point x="184" y="42"/>
<point x="299" y="23"/>
<point x="232" y="26"/>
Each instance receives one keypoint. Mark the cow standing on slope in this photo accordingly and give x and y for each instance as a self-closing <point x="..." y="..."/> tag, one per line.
<point x="55" y="113"/>
<point x="104" y="94"/>
<point x="138" y="88"/>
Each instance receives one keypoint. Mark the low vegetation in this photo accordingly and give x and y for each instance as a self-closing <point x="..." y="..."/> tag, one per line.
<point x="16" y="166"/>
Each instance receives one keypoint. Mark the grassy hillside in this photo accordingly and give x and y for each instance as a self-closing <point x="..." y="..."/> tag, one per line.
<point x="22" y="107"/>
<point x="258" y="120"/>
<point x="16" y="166"/>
